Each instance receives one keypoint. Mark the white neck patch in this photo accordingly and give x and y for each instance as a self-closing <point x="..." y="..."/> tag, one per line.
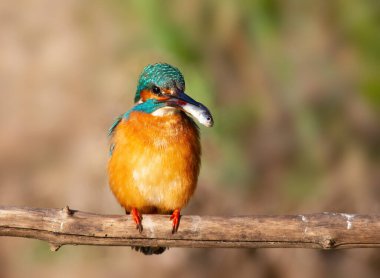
<point x="165" y="111"/>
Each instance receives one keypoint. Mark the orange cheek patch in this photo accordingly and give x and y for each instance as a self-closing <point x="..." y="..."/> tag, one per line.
<point x="147" y="94"/>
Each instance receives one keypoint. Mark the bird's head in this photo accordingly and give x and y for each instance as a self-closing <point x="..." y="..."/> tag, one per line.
<point x="165" y="85"/>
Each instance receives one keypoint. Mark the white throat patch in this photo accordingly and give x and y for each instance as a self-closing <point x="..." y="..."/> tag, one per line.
<point x="164" y="111"/>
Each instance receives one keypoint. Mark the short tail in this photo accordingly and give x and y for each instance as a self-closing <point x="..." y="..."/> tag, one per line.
<point x="149" y="250"/>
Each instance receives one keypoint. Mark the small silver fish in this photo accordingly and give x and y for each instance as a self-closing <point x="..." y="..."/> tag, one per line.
<point x="194" y="108"/>
<point x="199" y="112"/>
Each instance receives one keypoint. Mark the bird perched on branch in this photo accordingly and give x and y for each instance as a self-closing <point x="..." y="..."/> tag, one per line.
<point x="155" y="150"/>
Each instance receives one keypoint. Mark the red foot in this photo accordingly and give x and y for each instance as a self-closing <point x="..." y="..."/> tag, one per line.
<point x="137" y="218"/>
<point x="176" y="216"/>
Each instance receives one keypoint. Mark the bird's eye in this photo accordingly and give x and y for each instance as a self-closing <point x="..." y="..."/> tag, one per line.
<point x="156" y="90"/>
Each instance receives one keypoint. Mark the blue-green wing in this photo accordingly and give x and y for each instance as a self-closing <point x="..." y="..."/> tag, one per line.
<point x="114" y="125"/>
<point x="111" y="131"/>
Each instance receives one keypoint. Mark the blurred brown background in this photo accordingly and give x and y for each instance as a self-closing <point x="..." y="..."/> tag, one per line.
<point x="294" y="87"/>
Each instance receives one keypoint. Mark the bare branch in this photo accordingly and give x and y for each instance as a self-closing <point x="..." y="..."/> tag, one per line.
<point x="66" y="226"/>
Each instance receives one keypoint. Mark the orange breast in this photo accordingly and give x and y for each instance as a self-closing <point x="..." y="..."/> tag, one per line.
<point x="155" y="163"/>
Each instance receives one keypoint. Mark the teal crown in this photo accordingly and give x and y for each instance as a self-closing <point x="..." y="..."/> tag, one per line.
<point x="162" y="75"/>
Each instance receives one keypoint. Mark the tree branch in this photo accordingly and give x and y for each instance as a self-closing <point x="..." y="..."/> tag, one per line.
<point x="64" y="226"/>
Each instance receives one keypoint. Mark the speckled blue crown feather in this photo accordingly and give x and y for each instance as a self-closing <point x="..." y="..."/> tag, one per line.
<point x="162" y="75"/>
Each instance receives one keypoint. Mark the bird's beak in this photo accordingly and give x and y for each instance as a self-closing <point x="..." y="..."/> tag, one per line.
<point x="194" y="108"/>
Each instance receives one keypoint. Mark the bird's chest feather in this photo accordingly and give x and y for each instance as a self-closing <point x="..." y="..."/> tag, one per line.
<point x="155" y="161"/>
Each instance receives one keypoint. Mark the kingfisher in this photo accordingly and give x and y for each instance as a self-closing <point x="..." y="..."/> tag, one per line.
<point x="155" y="152"/>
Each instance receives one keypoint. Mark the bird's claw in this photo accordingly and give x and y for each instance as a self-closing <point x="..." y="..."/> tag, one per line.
<point x="137" y="217"/>
<point x="175" y="217"/>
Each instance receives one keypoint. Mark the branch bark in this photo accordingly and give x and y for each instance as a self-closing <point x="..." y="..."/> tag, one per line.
<point x="70" y="227"/>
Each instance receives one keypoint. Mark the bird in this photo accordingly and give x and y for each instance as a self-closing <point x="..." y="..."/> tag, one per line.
<point x="155" y="150"/>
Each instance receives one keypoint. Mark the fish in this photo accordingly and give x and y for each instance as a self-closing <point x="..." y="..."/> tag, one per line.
<point x="195" y="109"/>
<point x="199" y="112"/>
